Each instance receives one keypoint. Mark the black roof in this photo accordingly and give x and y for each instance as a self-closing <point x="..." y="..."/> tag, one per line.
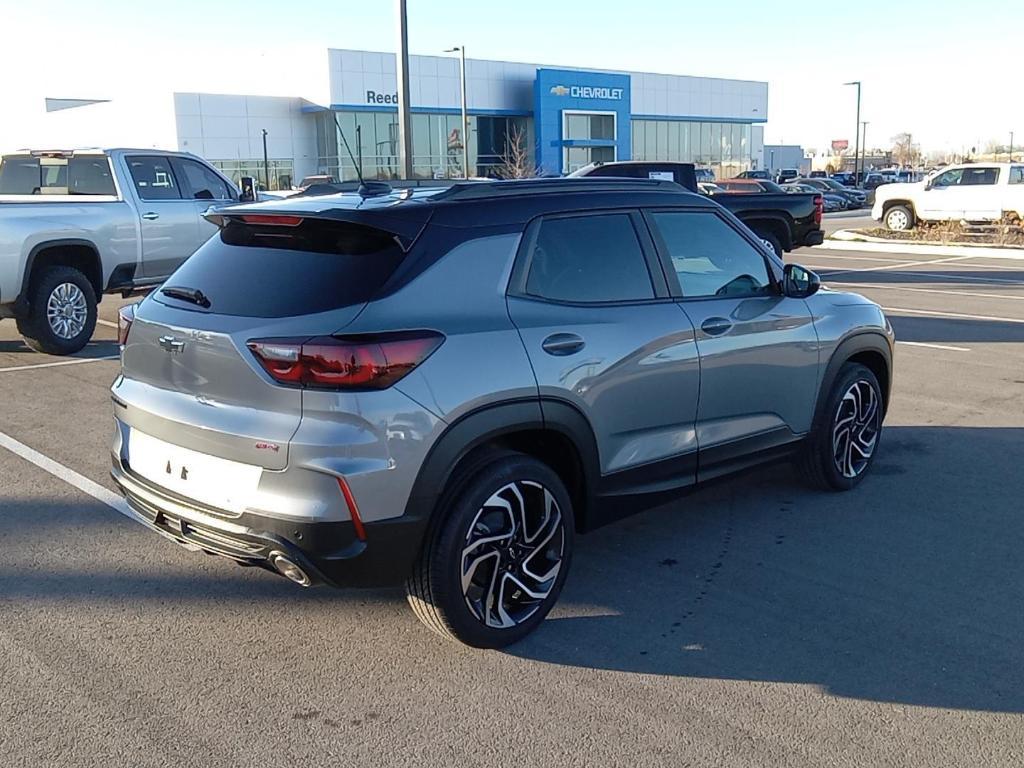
<point x="471" y="204"/>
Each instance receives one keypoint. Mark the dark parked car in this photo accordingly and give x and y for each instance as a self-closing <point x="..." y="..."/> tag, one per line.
<point x="445" y="387"/>
<point x="854" y="197"/>
<point x="786" y="175"/>
<point x="782" y="221"/>
<point x="755" y="174"/>
<point x="833" y="202"/>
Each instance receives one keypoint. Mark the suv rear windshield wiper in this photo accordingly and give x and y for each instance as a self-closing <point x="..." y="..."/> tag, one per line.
<point x="192" y="295"/>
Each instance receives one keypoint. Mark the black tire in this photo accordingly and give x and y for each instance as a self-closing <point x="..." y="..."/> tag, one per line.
<point x="35" y="328"/>
<point x="899" y="218"/>
<point x="817" y="461"/>
<point x="434" y="589"/>
<point x="770" y="240"/>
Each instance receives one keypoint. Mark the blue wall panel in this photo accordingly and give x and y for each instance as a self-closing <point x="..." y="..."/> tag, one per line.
<point x="557" y="90"/>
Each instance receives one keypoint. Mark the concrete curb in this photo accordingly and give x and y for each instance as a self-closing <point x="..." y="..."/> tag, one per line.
<point x="844" y="240"/>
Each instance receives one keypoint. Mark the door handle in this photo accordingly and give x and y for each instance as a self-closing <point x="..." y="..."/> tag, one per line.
<point x="151" y="216"/>
<point x="561" y="344"/>
<point x="715" y="326"/>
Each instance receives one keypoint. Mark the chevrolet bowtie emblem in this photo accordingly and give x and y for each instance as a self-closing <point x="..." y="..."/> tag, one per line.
<point x="171" y="344"/>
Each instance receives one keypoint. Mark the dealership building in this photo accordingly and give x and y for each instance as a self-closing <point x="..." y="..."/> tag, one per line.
<point x="560" y="118"/>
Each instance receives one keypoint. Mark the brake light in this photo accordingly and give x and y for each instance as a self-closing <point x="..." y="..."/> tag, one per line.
<point x="352" y="362"/>
<point x="273" y="220"/>
<point x="125" y="318"/>
<point x="819" y="208"/>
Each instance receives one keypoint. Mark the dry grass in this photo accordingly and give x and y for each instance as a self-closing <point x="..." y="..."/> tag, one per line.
<point x="1005" y="233"/>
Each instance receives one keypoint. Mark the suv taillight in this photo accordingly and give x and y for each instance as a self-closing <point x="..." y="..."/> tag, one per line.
<point x="819" y="208"/>
<point x="125" y="318"/>
<point x="347" y="362"/>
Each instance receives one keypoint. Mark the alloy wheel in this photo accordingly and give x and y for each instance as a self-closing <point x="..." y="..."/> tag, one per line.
<point x="67" y="310"/>
<point x="512" y="554"/>
<point x="855" y="431"/>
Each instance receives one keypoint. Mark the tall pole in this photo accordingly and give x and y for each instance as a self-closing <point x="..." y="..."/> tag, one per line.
<point x="465" y="114"/>
<point x="266" y="164"/>
<point x="864" y="146"/>
<point x="1011" y="146"/>
<point x="359" y="148"/>
<point x="404" y="125"/>
<point x="856" y="133"/>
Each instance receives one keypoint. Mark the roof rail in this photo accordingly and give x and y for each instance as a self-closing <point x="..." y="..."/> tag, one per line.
<point x="477" y="190"/>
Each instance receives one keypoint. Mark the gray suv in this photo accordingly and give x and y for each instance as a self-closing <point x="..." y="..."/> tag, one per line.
<point x="443" y="387"/>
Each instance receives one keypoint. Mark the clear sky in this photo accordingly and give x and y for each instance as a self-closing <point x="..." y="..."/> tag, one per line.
<point x="948" y="72"/>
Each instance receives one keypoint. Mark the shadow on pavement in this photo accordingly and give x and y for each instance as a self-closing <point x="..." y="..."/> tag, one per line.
<point x="906" y="590"/>
<point x="992" y="280"/>
<point x="93" y="349"/>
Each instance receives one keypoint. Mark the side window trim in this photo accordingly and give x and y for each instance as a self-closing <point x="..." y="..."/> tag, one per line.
<point x="676" y="290"/>
<point x="524" y="259"/>
<point x="170" y="167"/>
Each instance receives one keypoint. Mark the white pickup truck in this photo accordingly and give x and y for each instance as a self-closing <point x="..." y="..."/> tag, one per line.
<point x="972" y="192"/>
<point x="77" y="224"/>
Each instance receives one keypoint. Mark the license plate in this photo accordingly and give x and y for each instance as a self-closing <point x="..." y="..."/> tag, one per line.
<point x="210" y="480"/>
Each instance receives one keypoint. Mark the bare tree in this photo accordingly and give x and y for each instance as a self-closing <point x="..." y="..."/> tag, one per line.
<point x="904" y="151"/>
<point x="517" y="159"/>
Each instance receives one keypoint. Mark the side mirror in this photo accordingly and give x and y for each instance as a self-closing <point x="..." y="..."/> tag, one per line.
<point x="799" y="282"/>
<point x="248" y="190"/>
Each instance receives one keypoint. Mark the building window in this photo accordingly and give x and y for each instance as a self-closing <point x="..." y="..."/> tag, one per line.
<point x="437" y="144"/>
<point x="722" y="147"/>
<point x="282" y="174"/>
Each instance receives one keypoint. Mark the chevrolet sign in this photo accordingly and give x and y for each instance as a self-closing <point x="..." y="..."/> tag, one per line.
<point x="587" y="92"/>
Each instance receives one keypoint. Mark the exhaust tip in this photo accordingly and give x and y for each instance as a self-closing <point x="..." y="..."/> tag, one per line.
<point x="289" y="570"/>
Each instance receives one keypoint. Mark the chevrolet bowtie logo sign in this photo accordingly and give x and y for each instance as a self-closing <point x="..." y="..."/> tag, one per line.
<point x="587" y="92"/>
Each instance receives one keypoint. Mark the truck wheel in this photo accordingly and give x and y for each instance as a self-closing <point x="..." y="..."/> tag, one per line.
<point x="495" y="564"/>
<point x="770" y="241"/>
<point x="899" y="218"/>
<point x="62" y="312"/>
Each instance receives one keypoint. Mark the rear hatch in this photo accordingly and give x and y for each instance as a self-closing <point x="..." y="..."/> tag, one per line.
<point x="189" y="378"/>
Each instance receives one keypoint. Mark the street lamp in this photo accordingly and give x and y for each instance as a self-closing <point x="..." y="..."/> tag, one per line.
<point x="864" y="148"/>
<point x="465" y="117"/>
<point x="1011" y="146"/>
<point x="266" y="164"/>
<point x="856" y="141"/>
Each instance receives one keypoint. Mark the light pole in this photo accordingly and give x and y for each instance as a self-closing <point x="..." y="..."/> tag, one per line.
<point x="465" y="116"/>
<point x="404" y="125"/>
<point x="856" y="141"/>
<point x="864" y="146"/>
<point x="1011" y="146"/>
<point x="266" y="164"/>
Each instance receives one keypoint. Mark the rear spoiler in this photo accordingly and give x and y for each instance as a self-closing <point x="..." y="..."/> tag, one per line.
<point x="405" y="228"/>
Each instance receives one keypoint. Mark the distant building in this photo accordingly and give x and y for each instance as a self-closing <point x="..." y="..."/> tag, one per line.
<point x="779" y="156"/>
<point x="568" y="117"/>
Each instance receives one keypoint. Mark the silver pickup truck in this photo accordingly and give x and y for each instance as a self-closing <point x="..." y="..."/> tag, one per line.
<point x="77" y="224"/>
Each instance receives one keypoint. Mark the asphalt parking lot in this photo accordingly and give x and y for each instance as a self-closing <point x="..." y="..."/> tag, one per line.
<point x="756" y="623"/>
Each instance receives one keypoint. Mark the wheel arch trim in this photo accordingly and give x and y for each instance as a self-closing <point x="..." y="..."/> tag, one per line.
<point x="858" y="343"/>
<point x="47" y="245"/>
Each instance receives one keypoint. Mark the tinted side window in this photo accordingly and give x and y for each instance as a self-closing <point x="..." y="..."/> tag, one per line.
<point x="979" y="176"/>
<point x="1016" y="175"/>
<point x="589" y="259"/>
<point x="203" y="183"/>
<point x="90" y="176"/>
<point x="153" y="178"/>
<point x="710" y="257"/>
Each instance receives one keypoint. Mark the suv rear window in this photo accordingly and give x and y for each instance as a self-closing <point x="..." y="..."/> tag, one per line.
<point x="31" y="175"/>
<point x="283" y="271"/>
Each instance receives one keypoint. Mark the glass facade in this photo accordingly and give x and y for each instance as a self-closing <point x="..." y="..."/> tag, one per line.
<point x="281" y="172"/>
<point x="722" y="147"/>
<point x="437" y="147"/>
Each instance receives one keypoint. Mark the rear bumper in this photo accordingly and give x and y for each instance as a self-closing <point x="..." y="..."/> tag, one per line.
<point x="814" y="237"/>
<point x="328" y="552"/>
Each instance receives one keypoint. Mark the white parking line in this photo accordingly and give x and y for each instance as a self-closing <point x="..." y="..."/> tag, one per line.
<point x="900" y="265"/>
<point x="108" y="323"/>
<point x="932" y="290"/>
<point x="828" y="272"/>
<point x="76" y="361"/>
<point x="955" y="315"/>
<point x="950" y="347"/>
<point x="81" y="482"/>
